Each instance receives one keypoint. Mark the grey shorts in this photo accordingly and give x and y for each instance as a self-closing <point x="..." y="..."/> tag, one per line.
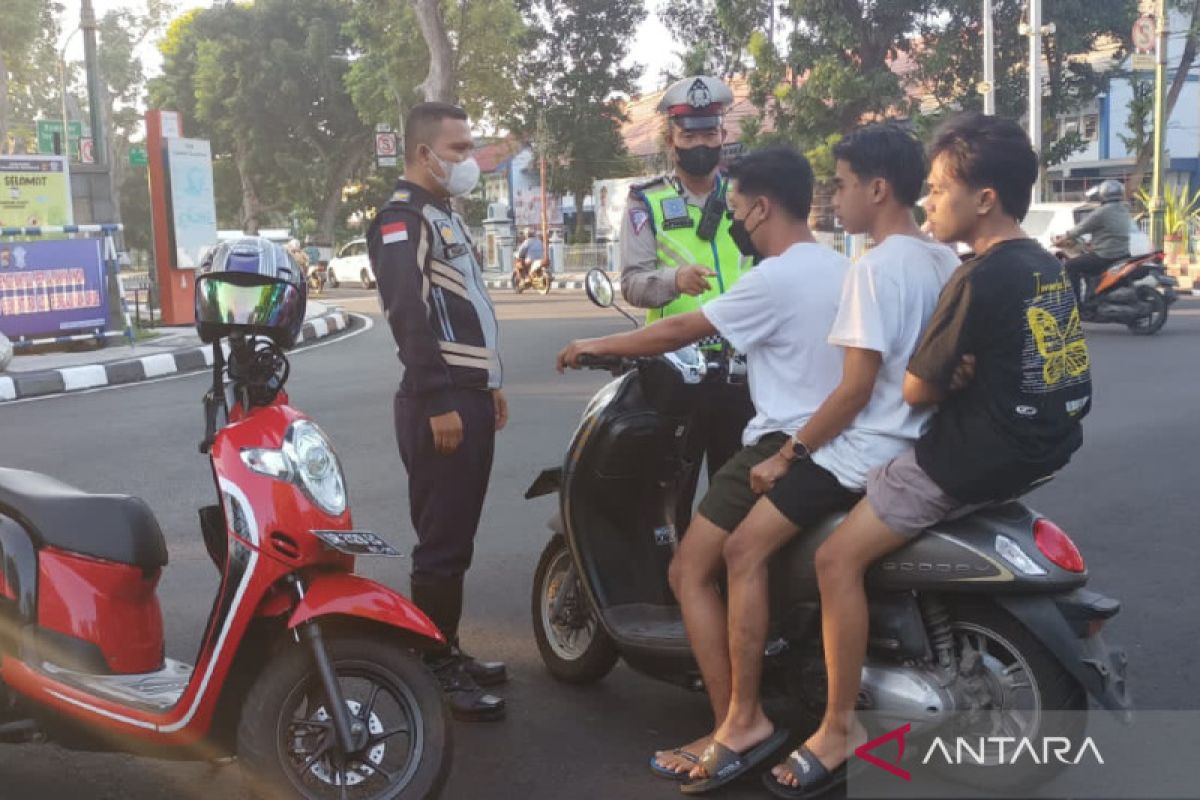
<point x="907" y="500"/>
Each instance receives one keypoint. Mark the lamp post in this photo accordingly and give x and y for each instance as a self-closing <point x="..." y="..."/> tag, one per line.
<point x="62" y="79"/>
<point x="1157" y="206"/>
<point x="989" y="59"/>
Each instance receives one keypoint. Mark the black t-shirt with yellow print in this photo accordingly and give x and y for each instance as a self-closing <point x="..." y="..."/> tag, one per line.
<point x="1019" y="419"/>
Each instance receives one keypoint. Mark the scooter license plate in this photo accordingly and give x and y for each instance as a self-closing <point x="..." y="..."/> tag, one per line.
<point x="358" y="543"/>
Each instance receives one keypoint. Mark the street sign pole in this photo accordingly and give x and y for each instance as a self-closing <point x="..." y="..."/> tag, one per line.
<point x="989" y="62"/>
<point x="1035" y="89"/>
<point x="1157" y="206"/>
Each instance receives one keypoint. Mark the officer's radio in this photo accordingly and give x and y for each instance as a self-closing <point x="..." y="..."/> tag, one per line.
<point x="710" y="217"/>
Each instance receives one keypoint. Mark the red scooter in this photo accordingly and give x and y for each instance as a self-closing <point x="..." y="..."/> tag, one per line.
<point x="309" y="674"/>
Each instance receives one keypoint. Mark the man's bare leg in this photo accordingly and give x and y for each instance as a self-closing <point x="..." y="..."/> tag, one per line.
<point x="694" y="573"/>
<point x="747" y="553"/>
<point x="842" y="563"/>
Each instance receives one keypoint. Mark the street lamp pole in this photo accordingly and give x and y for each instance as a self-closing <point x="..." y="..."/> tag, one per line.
<point x="989" y="58"/>
<point x="62" y="80"/>
<point x="1035" y="89"/>
<point x="87" y="23"/>
<point x="1157" y="206"/>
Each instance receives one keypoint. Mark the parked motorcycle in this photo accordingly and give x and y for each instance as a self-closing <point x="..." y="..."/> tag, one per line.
<point x="987" y="613"/>
<point x="535" y="275"/>
<point x="1136" y="292"/>
<point x="318" y="277"/>
<point x="308" y="673"/>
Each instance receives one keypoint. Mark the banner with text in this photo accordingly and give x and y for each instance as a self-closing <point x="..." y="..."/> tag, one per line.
<point x="51" y="288"/>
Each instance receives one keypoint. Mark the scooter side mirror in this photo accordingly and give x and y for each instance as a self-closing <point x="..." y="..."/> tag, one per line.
<point x="599" y="288"/>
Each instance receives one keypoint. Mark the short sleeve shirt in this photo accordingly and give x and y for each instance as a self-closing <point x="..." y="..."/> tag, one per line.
<point x="1019" y="418"/>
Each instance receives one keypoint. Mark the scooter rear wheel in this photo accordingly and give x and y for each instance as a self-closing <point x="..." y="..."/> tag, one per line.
<point x="287" y="746"/>
<point x="1157" y="317"/>
<point x="575" y="648"/>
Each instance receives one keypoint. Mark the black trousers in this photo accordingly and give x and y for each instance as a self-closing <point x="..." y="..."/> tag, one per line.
<point x="1086" y="266"/>
<point x="446" y="492"/>
<point x="717" y="436"/>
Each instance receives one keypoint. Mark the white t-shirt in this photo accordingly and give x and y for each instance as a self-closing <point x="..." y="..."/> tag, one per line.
<point x="779" y="314"/>
<point x="887" y="299"/>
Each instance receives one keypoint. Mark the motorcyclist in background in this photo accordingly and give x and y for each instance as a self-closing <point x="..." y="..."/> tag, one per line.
<point x="1109" y="226"/>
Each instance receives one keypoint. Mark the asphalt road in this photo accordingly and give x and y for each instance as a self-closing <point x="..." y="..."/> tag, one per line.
<point x="1128" y="499"/>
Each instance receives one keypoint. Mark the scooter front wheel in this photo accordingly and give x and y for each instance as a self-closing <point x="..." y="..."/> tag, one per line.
<point x="286" y="740"/>
<point x="573" y="645"/>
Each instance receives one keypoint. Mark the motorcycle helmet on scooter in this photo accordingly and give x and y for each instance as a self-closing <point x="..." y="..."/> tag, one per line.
<point x="1111" y="191"/>
<point x="250" y="285"/>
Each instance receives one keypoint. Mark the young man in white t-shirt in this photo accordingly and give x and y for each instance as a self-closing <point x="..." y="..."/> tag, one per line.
<point x="887" y="298"/>
<point x="778" y="314"/>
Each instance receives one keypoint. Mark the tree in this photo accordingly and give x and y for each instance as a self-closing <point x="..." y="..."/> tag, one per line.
<point x="440" y="80"/>
<point x="1145" y="149"/>
<point x="837" y="66"/>
<point x="950" y="64"/>
<point x="390" y="55"/>
<point x="573" y="68"/>
<point x="714" y="33"/>
<point x="266" y="84"/>
<point x="28" y="68"/>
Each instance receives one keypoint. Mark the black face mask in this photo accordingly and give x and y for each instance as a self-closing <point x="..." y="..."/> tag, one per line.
<point x="698" y="161"/>
<point x="741" y="238"/>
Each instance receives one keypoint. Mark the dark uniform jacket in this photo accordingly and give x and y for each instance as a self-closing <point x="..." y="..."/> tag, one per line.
<point x="433" y="294"/>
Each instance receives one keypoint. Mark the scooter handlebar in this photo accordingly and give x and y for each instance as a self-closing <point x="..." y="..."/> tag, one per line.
<point x="589" y="361"/>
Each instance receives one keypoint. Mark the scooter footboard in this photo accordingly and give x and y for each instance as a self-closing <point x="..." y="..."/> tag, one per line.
<point x="1055" y="620"/>
<point x="357" y="597"/>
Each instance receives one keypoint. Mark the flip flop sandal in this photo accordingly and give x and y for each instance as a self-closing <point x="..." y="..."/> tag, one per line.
<point x="813" y="779"/>
<point x="725" y="766"/>
<point x="667" y="772"/>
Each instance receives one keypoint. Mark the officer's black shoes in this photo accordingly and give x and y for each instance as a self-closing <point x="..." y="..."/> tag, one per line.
<point x="485" y="673"/>
<point x="468" y="703"/>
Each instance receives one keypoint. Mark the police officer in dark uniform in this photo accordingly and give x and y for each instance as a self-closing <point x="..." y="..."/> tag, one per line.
<point x="677" y="254"/>
<point x="449" y="405"/>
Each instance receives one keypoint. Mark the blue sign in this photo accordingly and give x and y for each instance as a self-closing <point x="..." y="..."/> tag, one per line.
<point x="51" y="288"/>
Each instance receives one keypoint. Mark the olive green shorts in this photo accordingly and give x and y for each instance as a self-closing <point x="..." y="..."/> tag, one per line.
<point x="729" y="497"/>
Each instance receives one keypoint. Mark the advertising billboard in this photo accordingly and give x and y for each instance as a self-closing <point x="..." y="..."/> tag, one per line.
<point x="34" y="191"/>
<point x="193" y="207"/>
<point x="51" y="288"/>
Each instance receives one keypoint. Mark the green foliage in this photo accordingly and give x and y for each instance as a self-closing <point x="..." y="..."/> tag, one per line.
<point x="1181" y="207"/>
<point x="29" y="71"/>
<point x="393" y="57"/>
<point x="950" y="63"/>
<point x="267" y="85"/>
<point x="715" y="34"/>
<point x="572" y="69"/>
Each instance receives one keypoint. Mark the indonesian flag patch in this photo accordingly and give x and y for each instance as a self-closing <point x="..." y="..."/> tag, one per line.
<point x="394" y="232"/>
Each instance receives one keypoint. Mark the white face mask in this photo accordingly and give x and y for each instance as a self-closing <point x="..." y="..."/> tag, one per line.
<point x="460" y="176"/>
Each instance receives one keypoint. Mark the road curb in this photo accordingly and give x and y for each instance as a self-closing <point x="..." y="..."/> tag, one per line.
<point x="506" y="283"/>
<point x="24" y="385"/>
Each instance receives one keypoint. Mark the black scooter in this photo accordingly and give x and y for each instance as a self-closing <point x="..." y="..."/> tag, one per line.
<point x="986" y="613"/>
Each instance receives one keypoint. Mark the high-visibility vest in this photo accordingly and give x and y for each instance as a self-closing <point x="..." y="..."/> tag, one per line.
<point x="678" y="245"/>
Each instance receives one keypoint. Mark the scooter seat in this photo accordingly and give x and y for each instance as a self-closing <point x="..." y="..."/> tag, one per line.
<point x="112" y="527"/>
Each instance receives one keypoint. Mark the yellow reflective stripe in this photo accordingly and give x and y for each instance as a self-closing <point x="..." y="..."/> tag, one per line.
<point x="464" y="361"/>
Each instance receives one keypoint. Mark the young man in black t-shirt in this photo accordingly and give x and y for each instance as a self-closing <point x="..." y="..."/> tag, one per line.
<point x="1004" y="356"/>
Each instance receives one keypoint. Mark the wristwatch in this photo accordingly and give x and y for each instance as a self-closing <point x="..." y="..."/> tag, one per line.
<point x="798" y="451"/>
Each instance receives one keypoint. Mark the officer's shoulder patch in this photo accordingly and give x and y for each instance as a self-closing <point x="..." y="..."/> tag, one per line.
<point x="401" y="196"/>
<point x="638" y="217"/>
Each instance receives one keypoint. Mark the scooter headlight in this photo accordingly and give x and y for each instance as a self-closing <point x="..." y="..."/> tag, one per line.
<point x="308" y="460"/>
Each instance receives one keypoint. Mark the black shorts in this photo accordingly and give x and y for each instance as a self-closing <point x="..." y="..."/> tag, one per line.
<point x="808" y="493"/>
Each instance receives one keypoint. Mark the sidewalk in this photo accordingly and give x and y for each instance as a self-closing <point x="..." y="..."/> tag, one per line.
<point x="174" y="350"/>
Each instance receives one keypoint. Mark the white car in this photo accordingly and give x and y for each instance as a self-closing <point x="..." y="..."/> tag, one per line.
<point x="351" y="264"/>
<point x="1047" y="220"/>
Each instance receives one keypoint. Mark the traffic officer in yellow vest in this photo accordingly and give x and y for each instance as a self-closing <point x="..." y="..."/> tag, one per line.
<point x="676" y="251"/>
